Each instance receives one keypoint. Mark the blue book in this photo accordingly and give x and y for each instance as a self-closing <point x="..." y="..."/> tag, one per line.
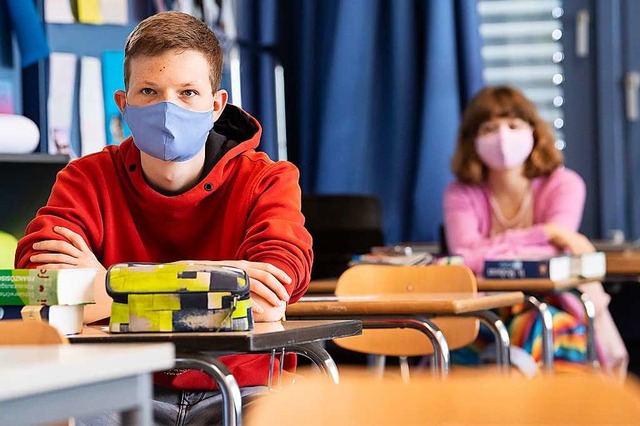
<point x="10" y="312"/>
<point x="112" y="80"/>
<point x="557" y="268"/>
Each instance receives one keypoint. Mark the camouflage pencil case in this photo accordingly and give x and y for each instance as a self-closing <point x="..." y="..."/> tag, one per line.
<point x="174" y="297"/>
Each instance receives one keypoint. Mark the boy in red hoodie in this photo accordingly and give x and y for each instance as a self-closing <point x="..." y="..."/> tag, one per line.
<point x="181" y="188"/>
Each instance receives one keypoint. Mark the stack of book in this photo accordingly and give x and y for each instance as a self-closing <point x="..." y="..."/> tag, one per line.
<point x="554" y="268"/>
<point x="56" y="296"/>
<point x="403" y="255"/>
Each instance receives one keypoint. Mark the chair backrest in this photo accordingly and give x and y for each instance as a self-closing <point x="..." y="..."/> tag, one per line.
<point x="465" y="398"/>
<point x="384" y="279"/>
<point x="19" y="332"/>
<point x="341" y="225"/>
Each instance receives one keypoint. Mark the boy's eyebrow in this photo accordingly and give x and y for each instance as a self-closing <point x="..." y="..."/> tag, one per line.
<point x="151" y="83"/>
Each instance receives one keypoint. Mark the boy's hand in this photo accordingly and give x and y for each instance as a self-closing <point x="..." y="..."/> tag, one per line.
<point x="265" y="279"/>
<point x="263" y="311"/>
<point x="267" y="285"/>
<point x="59" y="254"/>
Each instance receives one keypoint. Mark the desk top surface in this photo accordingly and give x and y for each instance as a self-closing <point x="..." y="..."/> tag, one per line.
<point x="623" y="262"/>
<point x="28" y="370"/>
<point x="265" y="336"/>
<point x="531" y="285"/>
<point x="403" y="303"/>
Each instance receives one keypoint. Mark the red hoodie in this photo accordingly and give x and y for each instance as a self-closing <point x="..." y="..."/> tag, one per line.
<point x="246" y="207"/>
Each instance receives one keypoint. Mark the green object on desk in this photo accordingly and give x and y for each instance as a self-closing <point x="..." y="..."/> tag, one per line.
<point x="8" y="245"/>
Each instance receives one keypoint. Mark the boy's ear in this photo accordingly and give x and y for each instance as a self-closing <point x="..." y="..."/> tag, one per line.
<point x="120" y="97"/>
<point x="219" y="102"/>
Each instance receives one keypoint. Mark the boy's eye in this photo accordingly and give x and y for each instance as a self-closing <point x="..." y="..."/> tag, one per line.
<point x="189" y="93"/>
<point x="147" y="91"/>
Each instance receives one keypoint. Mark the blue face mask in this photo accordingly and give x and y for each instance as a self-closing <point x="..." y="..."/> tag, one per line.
<point x="167" y="131"/>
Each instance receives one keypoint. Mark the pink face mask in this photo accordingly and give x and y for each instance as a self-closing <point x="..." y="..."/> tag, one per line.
<point x="505" y="148"/>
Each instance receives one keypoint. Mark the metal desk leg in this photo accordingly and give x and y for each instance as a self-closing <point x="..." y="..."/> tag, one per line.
<point x="143" y="413"/>
<point x="589" y="314"/>
<point x="439" y="342"/>
<point x="547" y="331"/>
<point x="501" y="334"/>
<point x="231" y="397"/>
<point x="320" y="357"/>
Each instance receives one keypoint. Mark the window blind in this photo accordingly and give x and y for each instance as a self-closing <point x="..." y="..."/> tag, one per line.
<point x="522" y="47"/>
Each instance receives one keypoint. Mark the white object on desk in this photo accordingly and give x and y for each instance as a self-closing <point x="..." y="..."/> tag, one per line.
<point x="48" y="383"/>
<point x="18" y="134"/>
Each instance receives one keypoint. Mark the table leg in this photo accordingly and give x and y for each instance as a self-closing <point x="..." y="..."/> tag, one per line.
<point x="320" y="357"/>
<point x="141" y="414"/>
<point x="440" y="347"/>
<point x="501" y="334"/>
<point x="547" y="330"/>
<point x="231" y="397"/>
<point x="589" y="313"/>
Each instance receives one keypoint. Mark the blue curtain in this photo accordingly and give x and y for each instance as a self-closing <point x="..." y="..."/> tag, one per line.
<point x="374" y="94"/>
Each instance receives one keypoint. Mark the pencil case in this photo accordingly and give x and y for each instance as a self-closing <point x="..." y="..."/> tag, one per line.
<point x="175" y="297"/>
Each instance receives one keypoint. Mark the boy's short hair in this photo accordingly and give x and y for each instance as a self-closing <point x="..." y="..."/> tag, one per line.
<point x="179" y="31"/>
<point x="495" y="102"/>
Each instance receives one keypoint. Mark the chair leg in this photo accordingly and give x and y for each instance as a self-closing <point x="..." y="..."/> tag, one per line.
<point x="404" y="369"/>
<point x="378" y="363"/>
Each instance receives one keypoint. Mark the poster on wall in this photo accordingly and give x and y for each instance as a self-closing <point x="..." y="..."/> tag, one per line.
<point x="62" y="78"/>
<point x="92" y="130"/>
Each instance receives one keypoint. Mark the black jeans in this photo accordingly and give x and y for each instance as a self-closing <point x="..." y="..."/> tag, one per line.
<point x="171" y="407"/>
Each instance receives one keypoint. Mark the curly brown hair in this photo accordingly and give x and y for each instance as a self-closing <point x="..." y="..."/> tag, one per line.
<point x="178" y="31"/>
<point x="502" y="101"/>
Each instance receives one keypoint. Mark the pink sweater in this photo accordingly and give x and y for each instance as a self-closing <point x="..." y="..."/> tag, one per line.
<point x="558" y="198"/>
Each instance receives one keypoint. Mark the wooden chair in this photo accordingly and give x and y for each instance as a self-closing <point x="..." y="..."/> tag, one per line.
<point x="384" y="279"/>
<point x="477" y="399"/>
<point x="18" y="332"/>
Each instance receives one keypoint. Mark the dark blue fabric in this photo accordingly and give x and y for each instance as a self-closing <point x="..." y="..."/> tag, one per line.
<point x="29" y="30"/>
<point x="6" y="54"/>
<point x="374" y="94"/>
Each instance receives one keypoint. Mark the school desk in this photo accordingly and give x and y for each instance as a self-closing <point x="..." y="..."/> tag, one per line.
<point x="299" y="337"/>
<point x="540" y="286"/>
<point x="623" y="264"/>
<point x="467" y="399"/>
<point x="49" y="383"/>
<point x="623" y="260"/>
<point x="415" y="311"/>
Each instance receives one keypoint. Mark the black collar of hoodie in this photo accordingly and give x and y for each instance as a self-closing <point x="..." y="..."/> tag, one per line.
<point x="232" y="128"/>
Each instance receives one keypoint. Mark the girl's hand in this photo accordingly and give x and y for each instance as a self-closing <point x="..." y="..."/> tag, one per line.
<point x="568" y="240"/>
